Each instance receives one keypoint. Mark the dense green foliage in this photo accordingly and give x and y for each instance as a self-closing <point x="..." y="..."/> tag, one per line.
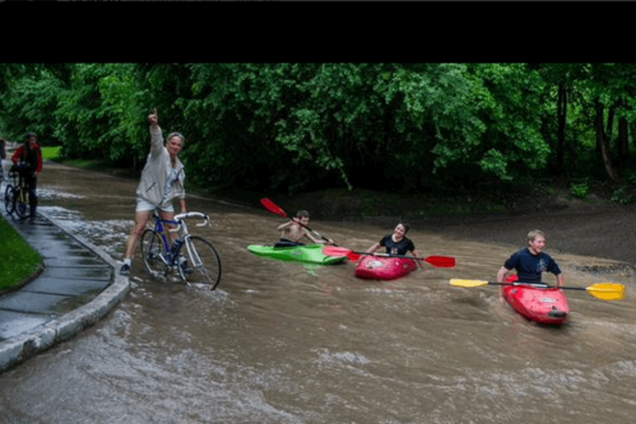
<point x="293" y="127"/>
<point x="19" y="260"/>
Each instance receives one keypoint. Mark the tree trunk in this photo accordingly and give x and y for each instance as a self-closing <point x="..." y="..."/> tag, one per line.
<point x="623" y="142"/>
<point x="603" y="142"/>
<point x="562" y="110"/>
<point x="611" y="114"/>
<point x="546" y="131"/>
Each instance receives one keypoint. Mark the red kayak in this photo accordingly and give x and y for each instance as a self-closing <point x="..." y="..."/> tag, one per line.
<point x="384" y="268"/>
<point x="543" y="305"/>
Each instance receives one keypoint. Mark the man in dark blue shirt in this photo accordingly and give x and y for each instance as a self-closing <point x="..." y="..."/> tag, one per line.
<point x="531" y="262"/>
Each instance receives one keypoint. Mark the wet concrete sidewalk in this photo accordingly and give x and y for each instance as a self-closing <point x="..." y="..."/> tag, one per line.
<point x="77" y="286"/>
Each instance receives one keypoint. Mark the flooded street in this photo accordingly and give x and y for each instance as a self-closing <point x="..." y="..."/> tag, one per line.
<point x="282" y="342"/>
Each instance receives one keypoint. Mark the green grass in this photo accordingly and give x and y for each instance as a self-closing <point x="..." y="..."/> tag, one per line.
<point x="19" y="259"/>
<point x="51" y="153"/>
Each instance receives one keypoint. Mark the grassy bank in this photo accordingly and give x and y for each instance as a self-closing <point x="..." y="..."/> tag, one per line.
<point x="51" y="153"/>
<point x="19" y="260"/>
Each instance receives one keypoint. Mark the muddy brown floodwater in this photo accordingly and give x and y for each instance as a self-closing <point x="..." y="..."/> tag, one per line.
<point x="282" y="342"/>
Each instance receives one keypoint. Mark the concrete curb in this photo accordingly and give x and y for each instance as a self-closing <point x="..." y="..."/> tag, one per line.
<point x="28" y="344"/>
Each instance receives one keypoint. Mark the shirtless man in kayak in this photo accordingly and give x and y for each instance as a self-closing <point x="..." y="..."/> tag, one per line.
<point x="294" y="230"/>
<point x="530" y="262"/>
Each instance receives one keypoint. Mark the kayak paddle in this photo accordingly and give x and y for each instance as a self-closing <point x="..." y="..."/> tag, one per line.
<point x="603" y="291"/>
<point x="436" y="261"/>
<point x="274" y="208"/>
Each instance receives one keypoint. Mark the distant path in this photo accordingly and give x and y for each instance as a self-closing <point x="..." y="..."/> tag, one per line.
<point x="600" y="230"/>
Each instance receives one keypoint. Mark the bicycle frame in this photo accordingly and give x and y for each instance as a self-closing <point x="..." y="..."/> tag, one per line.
<point x="22" y="189"/>
<point x="180" y="225"/>
<point x="20" y="197"/>
<point x="159" y="229"/>
<point x="13" y="176"/>
<point x="198" y="262"/>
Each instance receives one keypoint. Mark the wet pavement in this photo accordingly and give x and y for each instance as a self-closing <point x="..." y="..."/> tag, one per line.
<point x="76" y="286"/>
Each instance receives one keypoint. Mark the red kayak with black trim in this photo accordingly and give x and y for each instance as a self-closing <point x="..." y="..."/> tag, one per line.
<point x="542" y="305"/>
<point x="384" y="268"/>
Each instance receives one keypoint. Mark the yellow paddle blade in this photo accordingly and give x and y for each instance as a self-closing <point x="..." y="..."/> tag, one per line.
<point x="607" y="291"/>
<point x="467" y="283"/>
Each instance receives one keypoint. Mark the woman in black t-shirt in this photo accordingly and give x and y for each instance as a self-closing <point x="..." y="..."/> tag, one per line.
<point x="396" y="243"/>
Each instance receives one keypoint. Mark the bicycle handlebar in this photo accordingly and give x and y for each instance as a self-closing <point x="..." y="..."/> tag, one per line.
<point x="187" y="215"/>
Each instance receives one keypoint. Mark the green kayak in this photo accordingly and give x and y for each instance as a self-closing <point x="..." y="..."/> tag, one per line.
<point x="311" y="253"/>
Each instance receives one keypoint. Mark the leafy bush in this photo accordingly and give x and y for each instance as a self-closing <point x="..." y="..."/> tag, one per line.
<point x="581" y="190"/>
<point x="623" y="195"/>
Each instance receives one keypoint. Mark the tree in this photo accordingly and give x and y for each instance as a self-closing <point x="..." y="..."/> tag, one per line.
<point x="31" y="102"/>
<point x="102" y="112"/>
<point x="303" y="126"/>
<point x="608" y="85"/>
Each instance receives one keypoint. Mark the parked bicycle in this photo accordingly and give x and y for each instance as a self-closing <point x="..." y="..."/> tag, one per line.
<point x="195" y="258"/>
<point x="17" y="195"/>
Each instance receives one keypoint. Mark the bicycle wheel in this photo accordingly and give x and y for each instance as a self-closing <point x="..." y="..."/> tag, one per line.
<point x="152" y="252"/>
<point x="203" y="261"/>
<point x="9" y="199"/>
<point x="22" y="207"/>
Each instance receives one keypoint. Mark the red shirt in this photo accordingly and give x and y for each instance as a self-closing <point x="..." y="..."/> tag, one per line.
<point x="22" y="151"/>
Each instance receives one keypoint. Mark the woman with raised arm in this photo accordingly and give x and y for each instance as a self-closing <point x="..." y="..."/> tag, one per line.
<point x="161" y="181"/>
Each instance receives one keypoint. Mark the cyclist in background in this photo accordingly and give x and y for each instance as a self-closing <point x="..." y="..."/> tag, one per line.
<point x="27" y="161"/>
<point x="3" y="155"/>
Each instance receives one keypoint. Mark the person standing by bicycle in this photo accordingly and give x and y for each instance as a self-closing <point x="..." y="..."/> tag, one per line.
<point x="161" y="181"/>
<point x="27" y="161"/>
<point x="3" y="155"/>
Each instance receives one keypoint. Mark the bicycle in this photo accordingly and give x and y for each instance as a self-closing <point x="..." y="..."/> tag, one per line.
<point x="195" y="258"/>
<point x="17" y="196"/>
<point x="9" y="194"/>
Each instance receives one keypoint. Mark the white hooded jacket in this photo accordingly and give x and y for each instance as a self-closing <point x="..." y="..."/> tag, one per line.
<point x="154" y="176"/>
